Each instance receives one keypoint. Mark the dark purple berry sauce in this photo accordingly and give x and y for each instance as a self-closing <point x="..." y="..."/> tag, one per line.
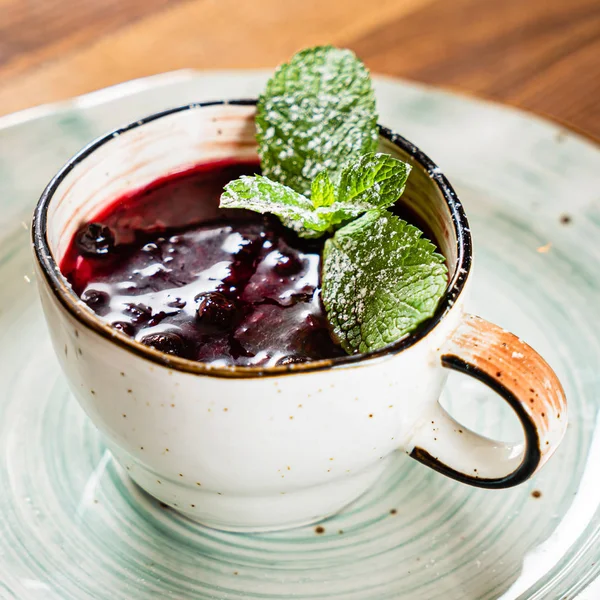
<point x="166" y="266"/>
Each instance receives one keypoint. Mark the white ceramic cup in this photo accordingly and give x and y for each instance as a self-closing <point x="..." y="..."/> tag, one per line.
<point x="250" y="449"/>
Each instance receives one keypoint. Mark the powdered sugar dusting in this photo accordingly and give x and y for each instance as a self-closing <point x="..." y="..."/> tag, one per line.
<point x="373" y="181"/>
<point x="380" y="280"/>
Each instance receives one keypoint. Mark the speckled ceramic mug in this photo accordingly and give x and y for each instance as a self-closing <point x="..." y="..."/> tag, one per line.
<point x="251" y="449"/>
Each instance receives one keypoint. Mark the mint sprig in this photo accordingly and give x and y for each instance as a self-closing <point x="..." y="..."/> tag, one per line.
<point x="317" y="113"/>
<point x="317" y="135"/>
<point x="262" y="195"/>
<point x="373" y="181"/>
<point x="381" y="279"/>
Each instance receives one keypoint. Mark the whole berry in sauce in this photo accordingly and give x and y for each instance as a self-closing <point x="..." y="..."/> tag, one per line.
<point x="138" y="313"/>
<point x="176" y="303"/>
<point x="124" y="327"/>
<point x="95" y="299"/>
<point x="95" y="239"/>
<point x="291" y="360"/>
<point x="215" y="312"/>
<point x="167" y="342"/>
<point x="287" y="264"/>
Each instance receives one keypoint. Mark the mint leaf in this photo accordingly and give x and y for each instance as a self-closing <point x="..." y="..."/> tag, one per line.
<point x="316" y="113"/>
<point x="323" y="190"/>
<point x="380" y="280"/>
<point x="373" y="181"/>
<point x="262" y="195"/>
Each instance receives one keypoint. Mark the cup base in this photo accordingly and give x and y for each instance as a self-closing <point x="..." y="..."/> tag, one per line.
<point x="248" y="514"/>
<point x="267" y="529"/>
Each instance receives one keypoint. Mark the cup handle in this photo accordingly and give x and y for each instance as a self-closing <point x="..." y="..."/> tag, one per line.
<point x="523" y="379"/>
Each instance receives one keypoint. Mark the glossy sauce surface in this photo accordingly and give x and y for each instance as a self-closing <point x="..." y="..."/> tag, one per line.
<point x="165" y="266"/>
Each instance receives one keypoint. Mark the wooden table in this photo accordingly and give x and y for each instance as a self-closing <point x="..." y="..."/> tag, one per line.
<point x="541" y="55"/>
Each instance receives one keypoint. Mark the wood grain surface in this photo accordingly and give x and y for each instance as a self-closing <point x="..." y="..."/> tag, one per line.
<point x="541" y="55"/>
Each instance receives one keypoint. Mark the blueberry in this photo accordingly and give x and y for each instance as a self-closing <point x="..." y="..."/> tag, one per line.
<point x="248" y="249"/>
<point x="157" y="318"/>
<point x="176" y="303"/>
<point x="292" y="360"/>
<point x="287" y="265"/>
<point x="271" y="227"/>
<point x="139" y="313"/>
<point x="167" y="342"/>
<point x="318" y="344"/>
<point x="239" y="273"/>
<point x="95" y="239"/>
<point x="95" y="298"/>
<point x="296" y="298"/>
<point x="123" y="326"/>
<point x="215" y="312"/>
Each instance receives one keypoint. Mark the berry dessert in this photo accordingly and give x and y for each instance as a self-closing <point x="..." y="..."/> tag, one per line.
<point x="241" y="290"/>
<point x="302" y="257"/>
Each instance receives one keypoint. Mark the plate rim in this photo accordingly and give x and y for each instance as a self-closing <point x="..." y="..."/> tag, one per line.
<point x="140" y="84"/>
<point x="122" y="90"/>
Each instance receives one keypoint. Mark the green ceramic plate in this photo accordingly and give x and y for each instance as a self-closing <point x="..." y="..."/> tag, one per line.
<point x="72" y="526"/>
